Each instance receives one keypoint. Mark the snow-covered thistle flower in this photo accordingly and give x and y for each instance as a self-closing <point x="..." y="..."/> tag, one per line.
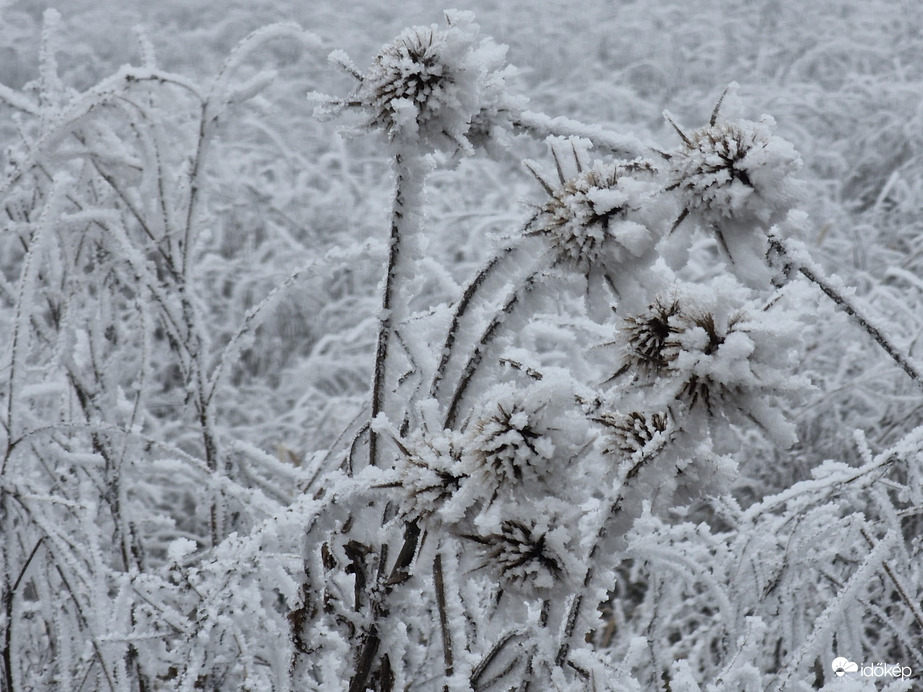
<point x="429" y="476"/>
<point x="526" y="554"/>
<point x="595" y="217"/>
<point x="717" y="353"/>
<point x="734" y="171"/>
<point x="646" y="334"/>
<point x="735" y="179"/>
<point x="627" y="434"/>
<point x="437" y="87"/>
<point x="511" y="442"/>
<point x="519" y="436"/>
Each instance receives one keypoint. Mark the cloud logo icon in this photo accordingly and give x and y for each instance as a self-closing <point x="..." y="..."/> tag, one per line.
<point x="841" y="666"/>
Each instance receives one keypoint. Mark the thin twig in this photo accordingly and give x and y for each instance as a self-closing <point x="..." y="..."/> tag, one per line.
<point x="543" y="125"/>
<point x="490" y="656"/>
<point x="650" y="452"/>
<point x="799" y="258"/>
<point x="480" y="348"/>
<point x="901" y="588"/>
<point x="400" y="573"/>
<point x="439" y="583"/>
<point x="8" y="597"/>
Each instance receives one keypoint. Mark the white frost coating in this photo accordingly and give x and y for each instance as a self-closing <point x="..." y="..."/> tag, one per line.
<point x="139" y="554"/>
<point x="180" y="548"/>
<point x="252" y="87"/>
<point x="625" y="145"/>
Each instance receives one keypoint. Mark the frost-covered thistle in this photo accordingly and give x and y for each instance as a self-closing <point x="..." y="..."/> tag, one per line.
<point x="429" y="477"/>
<point x="519" y="436"/>
<point x="510" y="444"/>
<point x="734" y="178"/>
<point x="702" y="334"/>
<point x="434" y="86"/>
<point x="593" y="219"/>
<point x="646" y="335"/>
<point x="712" y="350"/>
<point x="733" y="171"/>
<point x="525" y="554"/>
<point x="629" y="433"/>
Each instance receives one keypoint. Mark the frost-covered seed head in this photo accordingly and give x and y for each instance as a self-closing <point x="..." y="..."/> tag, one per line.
<point x="720" y="354"/>
<point x="509" y="444"/>
<point x="701" y="388"/>
<point x="734" y="170"/>
<point x="629" y="433"/>
<point x="432" y="85"/>
<point x="522" y="556"/>
<point x="588" y="220"/>
<point x="429" y="476"/>
<point x="646" y="335"/>
<point x="656" y="338"/>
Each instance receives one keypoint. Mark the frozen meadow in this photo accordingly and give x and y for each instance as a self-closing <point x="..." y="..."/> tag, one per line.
<point x="366" y="346"/>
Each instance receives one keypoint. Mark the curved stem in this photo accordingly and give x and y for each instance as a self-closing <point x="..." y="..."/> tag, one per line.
<point x="461" y="308"/>
<point x="617" y="507"/>
<point x="543" y="125"/>
<point x="489" y="334"/>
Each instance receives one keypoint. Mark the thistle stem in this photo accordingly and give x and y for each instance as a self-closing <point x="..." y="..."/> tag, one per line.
<point x="798" y="258"/>
<point x="461" y="308"/>
<point x="543" y="125"/>
<point x="488" y="335"/>
<point x="409" y="175"/>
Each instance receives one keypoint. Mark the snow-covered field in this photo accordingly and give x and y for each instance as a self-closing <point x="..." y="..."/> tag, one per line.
<point x="339" y="354"/>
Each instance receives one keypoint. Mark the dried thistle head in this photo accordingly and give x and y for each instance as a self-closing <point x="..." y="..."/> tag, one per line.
<point x="700" y="334"/>
<point x="518" y="436"/>
<point x="718" y="353"/>
<point x="407" y="72"/>
<point x="510" y="443"/>
<point x="628" y="434"/>
<point x="522" y="555"/>
<point x="429" y="475"/>
<point x="647" y="336"/>
<point x="733" y="171"/>
<point x="431" y="85"/>
<point x="591" y="218"/>
<point x="661" y="341"/>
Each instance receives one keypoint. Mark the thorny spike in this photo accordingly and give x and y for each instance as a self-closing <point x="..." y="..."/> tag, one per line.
<point x="557" y="164"/>
<point x="541" y="181"/>
<point x="714" y="113"/>
<point x="682" y="217"/>
<point x="400" y="446"/>
<point x="669" y="119"/>
<point x="573" y="148"/>
<point x="343" y="61"/>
